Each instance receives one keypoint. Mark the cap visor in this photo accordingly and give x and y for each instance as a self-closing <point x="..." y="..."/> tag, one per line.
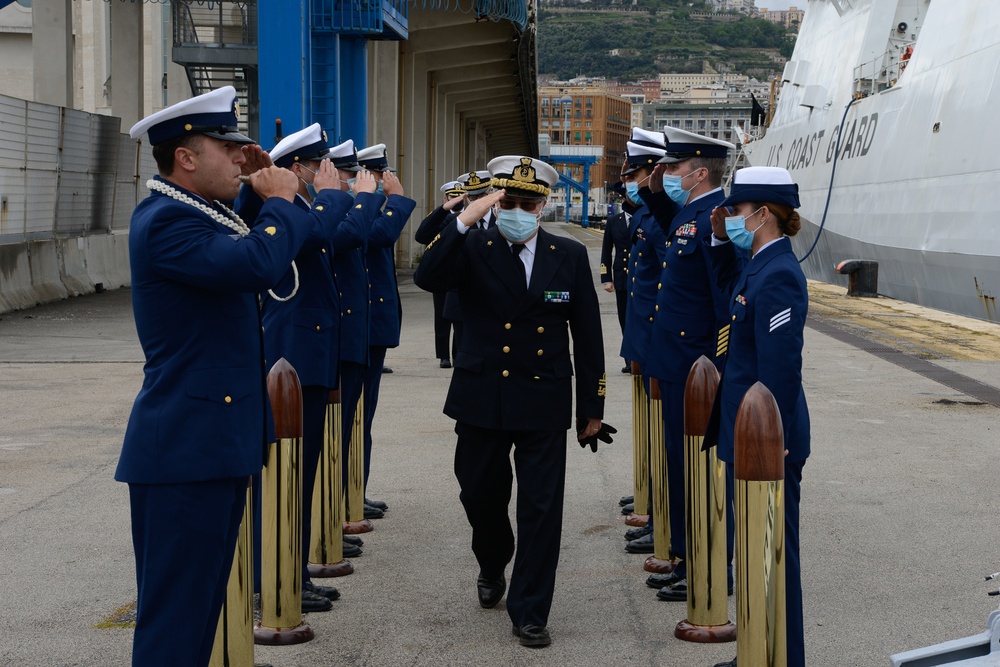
<point x="235" y="137"/>
<point x="671" y="160"/>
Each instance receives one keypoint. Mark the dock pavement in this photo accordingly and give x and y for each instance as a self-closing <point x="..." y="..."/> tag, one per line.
<point x="899" y="500"/>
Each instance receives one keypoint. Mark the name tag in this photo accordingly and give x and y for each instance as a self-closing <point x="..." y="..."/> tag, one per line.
<point x="556" y="297"/>
<point x="682" y="241"/>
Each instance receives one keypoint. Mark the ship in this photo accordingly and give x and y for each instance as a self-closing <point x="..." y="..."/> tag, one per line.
<point x="886" y="118"/>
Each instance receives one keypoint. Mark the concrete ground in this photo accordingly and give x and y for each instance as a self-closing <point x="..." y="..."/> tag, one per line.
<point x="899" y="508"/>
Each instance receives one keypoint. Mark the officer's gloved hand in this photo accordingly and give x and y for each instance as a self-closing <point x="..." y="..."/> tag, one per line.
<point x="603" y="434"/>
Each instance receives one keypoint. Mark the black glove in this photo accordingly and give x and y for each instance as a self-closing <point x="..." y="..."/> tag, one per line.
<point x="604" y="434"/>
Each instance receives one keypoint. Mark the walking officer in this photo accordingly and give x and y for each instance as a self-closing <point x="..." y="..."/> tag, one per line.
<point x="523" y="291"/>
<point x="614" y="256"/>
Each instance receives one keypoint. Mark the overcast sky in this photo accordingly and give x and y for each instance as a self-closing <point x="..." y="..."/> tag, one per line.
<point x="780" y="4"/>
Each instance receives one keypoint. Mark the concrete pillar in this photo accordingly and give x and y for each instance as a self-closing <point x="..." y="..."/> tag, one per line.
<point x="415" y="138"/>
<point x="52" y="51"/>
<point x="127" y="89"/>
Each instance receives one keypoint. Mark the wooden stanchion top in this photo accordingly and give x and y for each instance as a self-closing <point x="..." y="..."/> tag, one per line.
<point x="334" y="396"/>
<point x="286" y="399"/>
<point x="654" y="389"/>
<point x="759" y="440"/>
<point x="635" y="368"/>
<point x="699" y="394"/>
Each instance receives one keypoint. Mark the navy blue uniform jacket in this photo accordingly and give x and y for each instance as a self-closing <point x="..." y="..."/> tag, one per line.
<point x="513" y="371"/>
<point x="768" y="306"/>
<point x="614" y="251"/>
<point x="350" y="273"/>
<point x="200" y="413"/>
<point x="386" y="312"/>
<point x="690" y="307"/>
<point x="645" y="259"/>
<point x="305" y="330"/>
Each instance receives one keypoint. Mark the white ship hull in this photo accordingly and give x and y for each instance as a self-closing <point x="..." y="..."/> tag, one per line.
<point x="917" y="182"/>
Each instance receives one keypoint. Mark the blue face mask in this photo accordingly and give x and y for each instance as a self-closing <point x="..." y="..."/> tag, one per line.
<point x="672" y="186"/>
<point x="311" y="190"/>
<point x="632" y="189"/>
<point x="379" y="189"/>
<point x="736" y="230"/>
<point x="516" y="225"/>
<point x="350" y="187"/>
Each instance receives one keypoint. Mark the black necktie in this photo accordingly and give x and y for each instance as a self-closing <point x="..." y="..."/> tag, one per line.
<point x="481" y="224"/>
<point x="515" y="251"/>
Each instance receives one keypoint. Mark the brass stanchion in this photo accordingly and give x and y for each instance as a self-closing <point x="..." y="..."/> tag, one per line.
<point x="281" y="517"/>
<point x="234" y="639"/>
<point x="356" y="522"/>
<point x="640" y="449"/>
<point x="705" y="495"/>
<point x="326" y="553"/>
<point x="660" y="561"/>
<point x="760" y="531"/>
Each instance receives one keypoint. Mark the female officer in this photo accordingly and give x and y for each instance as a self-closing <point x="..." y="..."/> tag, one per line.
<point x="768" y="305"/>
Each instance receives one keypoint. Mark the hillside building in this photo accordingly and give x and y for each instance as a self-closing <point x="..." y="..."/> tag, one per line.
<point x="587" y="116"/>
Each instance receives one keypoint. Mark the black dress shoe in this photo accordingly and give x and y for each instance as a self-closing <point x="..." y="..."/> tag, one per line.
<point x="658" y="581"/>
<point x="678" y="591"/>
<point x="351" y="550"/>
<point x="445" y="363"/>
<point x="628" y="509"/>
<point x="328" y="592"/>
<point x="637" y="532"/>
<point x="490" y="591"/>
<point x="373" y="512"/>
<point x="643" y="545"/>
<point x="625" y="500"/>
<point x="626" y="369"/>
<point x="377" y="504"/>
<point x="313" y="602"/>
<point x="355" y="540"/>
<point x="386" y="369"/>
<point x="532" y="636"/>
<point x="731" y="663"/>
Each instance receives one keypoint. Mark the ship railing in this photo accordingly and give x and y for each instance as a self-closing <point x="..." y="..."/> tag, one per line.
<point x="883" y="72"/>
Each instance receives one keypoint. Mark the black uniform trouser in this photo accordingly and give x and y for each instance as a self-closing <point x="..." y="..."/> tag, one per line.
<point x="184" y="536"/>
<point x="482" y="466"/>
<point x="373" y="381"/>
<point x="442" y="328"/>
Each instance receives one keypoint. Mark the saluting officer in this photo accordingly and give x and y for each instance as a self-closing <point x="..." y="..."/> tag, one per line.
<point x="301" y="313"/>
<point x="522" y="291"/>
<point x="768" y="304"/>
<point x="691" y="313"/>
<point x="454" y="200"/>
<point x="196" y="432"/>
<point x="350" y="273"/>
<point x="644" y="265"/>
<point x="385" y="314"/>
<point x="614" y="255"/>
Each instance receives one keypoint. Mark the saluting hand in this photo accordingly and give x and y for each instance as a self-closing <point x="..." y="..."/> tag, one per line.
<point x="479" y="208"/>
<point x="455" y="201"/>
<point x="275" y="182"/>
<point x="391" y="184"/>
<point x="656" y="178"/>
<point x="719" y="215"/>
<point x="326" y="178"/>
<point x="365" y="182"/>
<point x="256" y="159"/>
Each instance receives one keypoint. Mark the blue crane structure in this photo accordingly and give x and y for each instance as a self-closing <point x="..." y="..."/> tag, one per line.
<point x="584" y="156"/>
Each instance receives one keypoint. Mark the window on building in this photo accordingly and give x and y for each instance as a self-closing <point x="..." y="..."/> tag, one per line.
<point x="545" y="101"/>
<point x="545" y="123"/>
<point x="729" y="123"/>
<point x="715" y="125"/>
<point x="688" y="124"/>
<point x="715" y="135"/>
<point x="576" y="124"/>
<point x="545" y="112"/>
<point x="590" y="101"/>
<point x="576" y="136"/>
<point x="690" y="113"/>
<point x="701" y="125"/>
<point x="577" y="114"/>
<point x="590" y="113"/>
<point x="589" y="124"/>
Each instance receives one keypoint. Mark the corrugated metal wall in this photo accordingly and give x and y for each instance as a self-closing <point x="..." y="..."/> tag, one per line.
<point x="66" y="173"/>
